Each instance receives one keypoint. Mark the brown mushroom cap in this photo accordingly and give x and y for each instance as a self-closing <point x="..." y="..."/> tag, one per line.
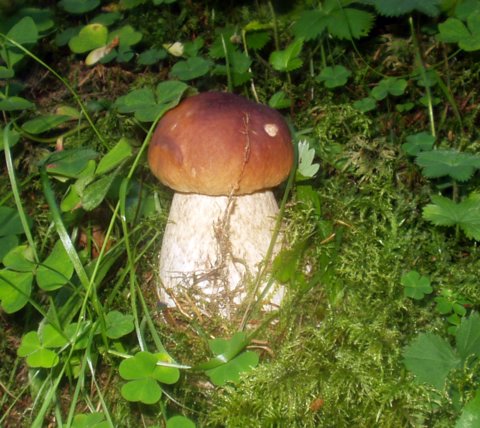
<point x="217" y="143"/>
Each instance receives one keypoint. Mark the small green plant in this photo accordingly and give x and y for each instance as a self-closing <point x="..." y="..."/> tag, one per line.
<point x="230" y="370"/>
<point x="415" y="285"/>
<point x="143" y="371"/>
<point x="435" y="362"/>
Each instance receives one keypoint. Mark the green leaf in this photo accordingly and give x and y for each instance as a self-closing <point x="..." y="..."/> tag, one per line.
<point x="140" y="366"/>
<point x="56" y="269"/>
<point x="127" y="36"/>
<point x="287" y="59"/>
<point x="180" y="422"/>
<point x="44" y="123"/>
<point x="454" y="31"/>
<point x="20" y="259"/>
<point x="79" y="6"/>
<point x="230" y="371"/>
<point x="190" y="69"/>
<point x="470" y="417"/>
<point x="466" y="214"/>
<point x="349" y="23"/>
<point x="69" y="163"/>
<point x="138" y="99"/>
<point x="148" y="105"/>
<point x="256" y="40"/>
<point x="51" y="337"/>
<point x="310" y="24"/>
<point x="306" y="155"/>
<point x="7" y="243"/>
<point x="15" y="289"/>
<point x="439" y="163"/>
<point x="365" y="104"/>
<point x="420" y="142"/>
<point x="37" y="355"/>
<point x="107" y="18"/>
<point x="465" y="8"/>
<point x="415" y="285"/>
<point x="389" y="86"/>
<point x="333" y="77"/>
<point x="430" y="358"/>
<point x="10" y="223"/>
<point x="6" y="73"/>
<point x="90" y="420"/>
<point x="279" y="100"/>
<point x="118" y="324"/>
<point x="95" y="193"/>
<point x="398" y="8"/>
<point x="25" y="33"/>
<point x="42" y="357"/>
<point x="90" y="37"/>
<point x="15" y="103"/>
<point x="468" y="336"/>
<point x="143" y="390"/>
<point x="151" y="56"/>
<point x="341" y="22"/>
<point x="121" y="151"/>
<point x="164" y="374"/>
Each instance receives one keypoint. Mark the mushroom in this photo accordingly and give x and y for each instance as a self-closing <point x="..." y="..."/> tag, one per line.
<point x="222" y="154"/>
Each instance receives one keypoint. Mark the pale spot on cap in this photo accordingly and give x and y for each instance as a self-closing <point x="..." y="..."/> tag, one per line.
<point x="271" y="129"/>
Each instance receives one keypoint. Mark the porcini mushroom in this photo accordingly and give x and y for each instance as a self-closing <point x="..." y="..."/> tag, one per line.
<point x="222" y="154"/>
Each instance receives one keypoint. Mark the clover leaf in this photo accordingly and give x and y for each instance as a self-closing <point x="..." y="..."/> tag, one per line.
<point x="147" y="104"/>
<point x="365" y="104"/>
<point x="333" y="77"/>
<point x="453" y="30"/>
<point x="439" y="163"/>
<point x="118" y="324"/>
<point x="465" y="214"/>
<point x="15" y="289"/>
<point x="55" y="270"/>
<point x="90" y="420"/>
<point x="10" y="223"/>
<point x="415" y="285"/>
<point x="90" y="37"/>
<point x="230" y="370"/>
<point x="79" y="6"/>
<point x="420" y="142"/>
<point x="16" y="279"/>
<point x="37" y="348"/>
<point x="143" y="373"/>
<point x="179" y="422"/>
<point x="389" y="86"/>
<point x="191" y="68"/>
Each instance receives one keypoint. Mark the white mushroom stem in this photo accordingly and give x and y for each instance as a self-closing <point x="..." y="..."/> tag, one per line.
<point x="213" y="249"/>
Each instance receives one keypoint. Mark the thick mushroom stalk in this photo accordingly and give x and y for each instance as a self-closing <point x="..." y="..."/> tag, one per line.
<point x="222" y="154"/>
<point x="213" y="249"/>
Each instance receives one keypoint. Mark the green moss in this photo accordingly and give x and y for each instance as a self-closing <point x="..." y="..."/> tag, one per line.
<point x="339" y="363"/>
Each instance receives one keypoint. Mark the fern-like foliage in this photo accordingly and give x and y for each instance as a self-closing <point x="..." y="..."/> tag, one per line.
<point x="335" y="18"/>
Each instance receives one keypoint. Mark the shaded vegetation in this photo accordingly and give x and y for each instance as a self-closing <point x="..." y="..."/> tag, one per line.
<point x="382" y="217"/>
